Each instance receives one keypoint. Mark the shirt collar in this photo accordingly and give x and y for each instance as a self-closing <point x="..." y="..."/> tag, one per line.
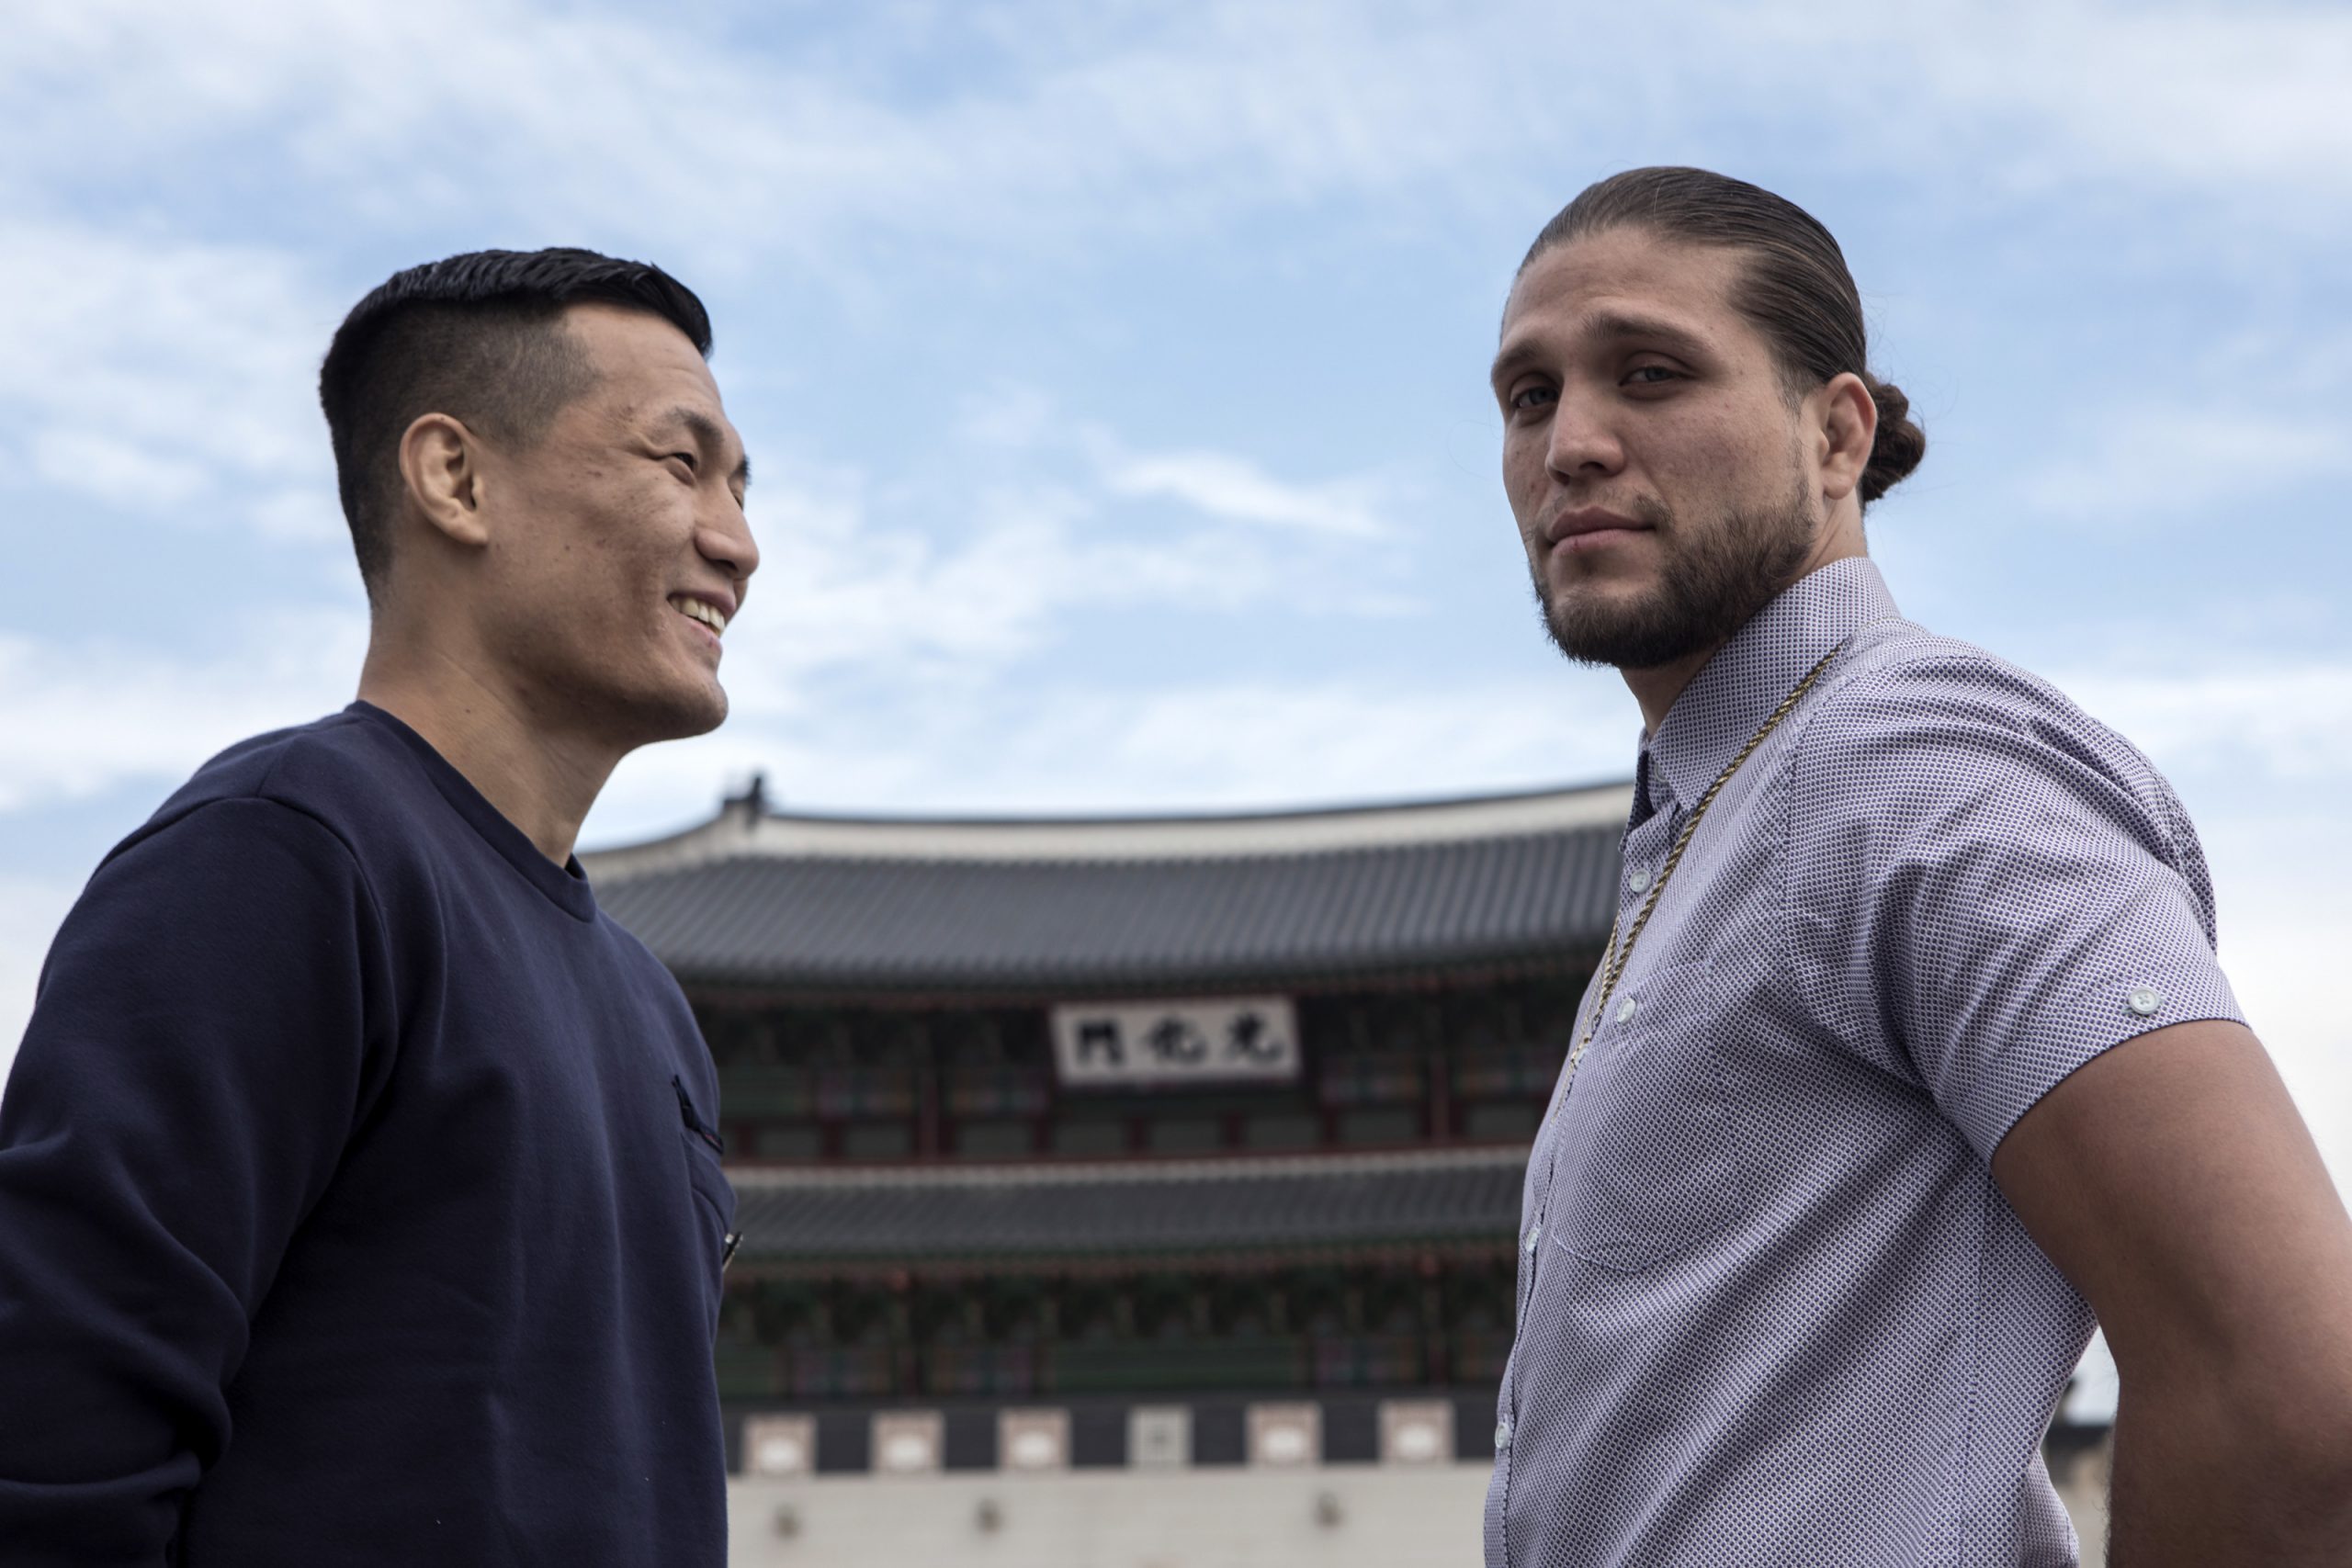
<point x="1753" y="673"/>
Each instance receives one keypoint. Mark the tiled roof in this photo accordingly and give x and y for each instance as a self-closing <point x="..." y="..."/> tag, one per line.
<point x="960" y="914"/>
<point x="829" y="1216"/>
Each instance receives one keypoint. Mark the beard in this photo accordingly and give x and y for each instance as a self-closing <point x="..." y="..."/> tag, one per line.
<point x="1713" y="581"/>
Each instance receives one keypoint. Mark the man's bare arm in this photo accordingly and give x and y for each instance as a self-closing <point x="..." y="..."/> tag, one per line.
<point x="2173" y="1181"/>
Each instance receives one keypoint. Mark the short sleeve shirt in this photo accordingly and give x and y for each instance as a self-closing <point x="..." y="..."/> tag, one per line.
<point x="1772" y="1308"/>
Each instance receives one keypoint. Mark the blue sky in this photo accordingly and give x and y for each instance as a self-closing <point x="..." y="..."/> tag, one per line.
<point x="1116" y="380"/>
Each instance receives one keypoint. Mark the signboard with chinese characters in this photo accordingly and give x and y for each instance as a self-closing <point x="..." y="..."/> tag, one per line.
<point x="1150" y="1044"/>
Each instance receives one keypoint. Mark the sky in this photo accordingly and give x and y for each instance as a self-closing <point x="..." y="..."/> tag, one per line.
<point x="1115" y="376"/>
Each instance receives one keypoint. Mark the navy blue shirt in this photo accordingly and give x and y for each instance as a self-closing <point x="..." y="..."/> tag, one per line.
<point x="354" y="1200"/>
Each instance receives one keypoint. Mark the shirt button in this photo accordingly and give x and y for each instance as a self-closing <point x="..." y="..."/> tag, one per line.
<point x="1528" y="1241"/>
<point x="1502" y="1432"/>
<point x="2145" y="1000"/>
<point x="1638" y="879"/>
<point x="1625" y="1011"/>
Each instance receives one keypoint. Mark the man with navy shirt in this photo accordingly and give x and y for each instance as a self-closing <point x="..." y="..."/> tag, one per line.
<point x="359" y="1200"/>
<point x="1910" y="1059"/>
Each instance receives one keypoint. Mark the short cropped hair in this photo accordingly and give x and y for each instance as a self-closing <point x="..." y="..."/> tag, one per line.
<point x="1795" y="288"/>
<point x="477" y="337"/>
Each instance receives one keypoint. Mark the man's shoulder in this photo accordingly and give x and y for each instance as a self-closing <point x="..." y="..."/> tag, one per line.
<point x="1908" y="666"/>
<point x="335" y="770"/>
<point x="1918" y="693"/>
<point x="1915" y="719"/>
<point x="250" y="844"/>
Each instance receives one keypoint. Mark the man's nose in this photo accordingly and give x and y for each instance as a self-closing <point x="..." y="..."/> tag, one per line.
<point x="725" y="540"/>
<point x="1584" y="443"/>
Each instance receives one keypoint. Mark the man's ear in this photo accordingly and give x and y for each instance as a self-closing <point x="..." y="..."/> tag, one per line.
<point x="1845" y="427"/>
<point x="441" y="469"/>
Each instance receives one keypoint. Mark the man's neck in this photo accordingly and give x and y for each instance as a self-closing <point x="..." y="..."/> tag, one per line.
<point x="543" y="783"/>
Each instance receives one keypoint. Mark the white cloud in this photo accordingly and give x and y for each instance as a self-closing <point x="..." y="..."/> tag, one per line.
<point x="1260" y="743"/>
<point x="1072" y="117"/>
<point x="1226" y="486"/>
<point x="2278" y="877"/>
<point x="2164" y="462"/>
<point x="864" y="602"/>
<point x="81" y="718"/>
<point x="1186" y="747"/>
<point x="2280" y="721"/>
<point x="176" y="378"/>
<point x="115" y="470"/>
<point x="575" y="116"/>
<point x="2283" y="962"/>
<point x="2246" y="95"/>
<point x="876" y="585"/>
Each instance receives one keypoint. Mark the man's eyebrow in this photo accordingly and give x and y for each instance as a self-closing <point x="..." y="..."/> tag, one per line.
<point x="705" y="430"/>
<point x="1513" y="359"/>
<point x="1608" y="326"/>
<point x="1614" y="325"/>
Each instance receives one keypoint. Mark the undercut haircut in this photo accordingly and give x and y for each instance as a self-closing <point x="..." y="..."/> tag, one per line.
<point x="1795" y="288"/>
<point x="479" y="337"/>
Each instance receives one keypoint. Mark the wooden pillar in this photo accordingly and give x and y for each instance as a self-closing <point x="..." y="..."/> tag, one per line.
<point x="927" y="1113"/>
<point x="1440" y="1098"/>
<point x="1436" y="1353"/>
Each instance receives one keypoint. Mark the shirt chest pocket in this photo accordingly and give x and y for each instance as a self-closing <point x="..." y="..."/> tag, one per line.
<point x="714" y="1196"/>
<point x="1651" y="1160"/>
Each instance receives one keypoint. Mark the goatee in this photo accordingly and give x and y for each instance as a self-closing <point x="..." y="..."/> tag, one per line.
<point x="1713" y="581"/>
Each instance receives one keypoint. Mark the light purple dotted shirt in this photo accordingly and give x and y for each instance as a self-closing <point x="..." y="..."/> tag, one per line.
<point x="1773" y="1309"/>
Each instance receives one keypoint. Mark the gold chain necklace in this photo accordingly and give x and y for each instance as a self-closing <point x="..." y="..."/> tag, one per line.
<point x="1613" y="963"/>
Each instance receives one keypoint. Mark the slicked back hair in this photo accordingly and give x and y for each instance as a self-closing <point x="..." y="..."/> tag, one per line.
<point x="477" y="337"/>
<point x="1794" y="289"/>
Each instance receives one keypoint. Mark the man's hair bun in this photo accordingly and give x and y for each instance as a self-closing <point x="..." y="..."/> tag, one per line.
<point x="1900" y="442"/>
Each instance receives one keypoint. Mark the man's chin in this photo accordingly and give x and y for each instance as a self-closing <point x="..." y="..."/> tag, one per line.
<point x="701" y="717"/>
<point x="673" y="716"/>
<point x="1632" y="636"/>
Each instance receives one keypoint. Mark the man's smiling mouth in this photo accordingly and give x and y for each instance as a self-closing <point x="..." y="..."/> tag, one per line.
<point x="697" y="610"/>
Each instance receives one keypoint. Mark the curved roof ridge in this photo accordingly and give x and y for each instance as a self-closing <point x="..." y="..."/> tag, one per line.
<point x="745" y="827"/>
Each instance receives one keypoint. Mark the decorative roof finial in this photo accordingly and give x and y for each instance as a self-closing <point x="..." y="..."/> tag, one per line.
<point x="754" y="798"/>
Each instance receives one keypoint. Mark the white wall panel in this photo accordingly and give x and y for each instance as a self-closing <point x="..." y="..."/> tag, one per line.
<point x="1352" y="1516"/>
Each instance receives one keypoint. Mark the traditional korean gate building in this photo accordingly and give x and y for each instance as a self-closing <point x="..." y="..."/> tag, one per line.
<point x="1189" y="1113"/>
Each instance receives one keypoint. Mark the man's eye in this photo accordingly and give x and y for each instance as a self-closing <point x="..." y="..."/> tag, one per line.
<point x="1528" y="398"/>
<point x="685" y="457"/>
<point x="1650" y="375"/>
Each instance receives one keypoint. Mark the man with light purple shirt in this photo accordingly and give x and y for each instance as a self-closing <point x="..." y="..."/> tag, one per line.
<point x="1910" y="1061"/>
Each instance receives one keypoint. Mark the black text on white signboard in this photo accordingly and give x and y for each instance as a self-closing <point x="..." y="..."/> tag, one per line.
<point x="1138" y="1045"/>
